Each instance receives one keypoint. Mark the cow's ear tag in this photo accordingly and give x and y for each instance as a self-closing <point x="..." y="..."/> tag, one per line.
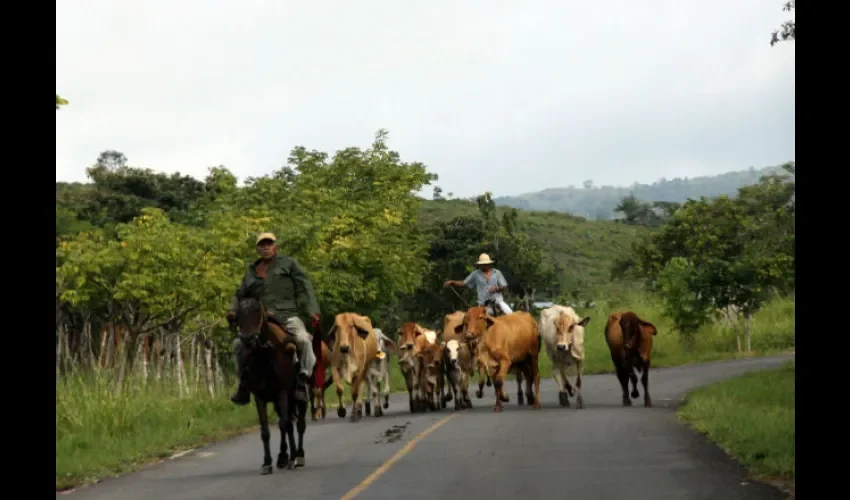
<point x="380" y="355"/>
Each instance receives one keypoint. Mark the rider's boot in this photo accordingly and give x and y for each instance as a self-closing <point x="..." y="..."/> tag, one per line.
<point x="242" y="396"/>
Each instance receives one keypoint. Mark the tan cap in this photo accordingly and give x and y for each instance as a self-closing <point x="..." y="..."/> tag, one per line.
<point x="266" y="236"/>
<point x="483" y="259"/>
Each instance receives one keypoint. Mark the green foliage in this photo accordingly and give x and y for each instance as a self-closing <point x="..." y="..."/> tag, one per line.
<point x="732" y="251"/>
<point x="684" y="305"/>
<point x="60" y="101"/>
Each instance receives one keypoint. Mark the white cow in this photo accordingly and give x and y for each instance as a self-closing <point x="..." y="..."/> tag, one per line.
<point x="378" y="376"/>
<point x="562" y="331"/>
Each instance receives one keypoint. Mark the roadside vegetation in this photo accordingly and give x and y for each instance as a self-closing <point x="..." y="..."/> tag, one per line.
<point x="147" y="263"/>
<point x="752" y="418"/>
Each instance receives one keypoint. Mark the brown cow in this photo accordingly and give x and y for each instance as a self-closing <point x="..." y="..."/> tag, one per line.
<point x="408" y="363"/>
<point x="429" y="357"/>
<point x="630" y="341"/>
<point x="505" y="342"/>
<point x="355" y="347"/>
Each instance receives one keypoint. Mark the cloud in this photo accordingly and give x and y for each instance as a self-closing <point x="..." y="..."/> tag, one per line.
<point x="506" y="96"/>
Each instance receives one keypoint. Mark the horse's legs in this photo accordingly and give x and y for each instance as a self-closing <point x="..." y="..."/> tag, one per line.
<point x="262" y="413"/>
<point x="301" y="423"/>
<point x="282" y="408"/>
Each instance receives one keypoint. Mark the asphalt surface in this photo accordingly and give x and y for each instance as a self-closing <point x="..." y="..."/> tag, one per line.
<point x="603" y="451"/>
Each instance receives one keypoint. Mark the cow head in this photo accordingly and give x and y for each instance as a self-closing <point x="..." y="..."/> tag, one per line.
<point x="349" y="328"/>
<point x="407" y="335"/>
<point x="565" y="327"/>
<point x="451" y="350"/>
<point x="385" y="345"/>
<point x="475" y="322"/>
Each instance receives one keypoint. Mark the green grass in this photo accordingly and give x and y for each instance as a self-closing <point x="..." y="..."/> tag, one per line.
<point x="752" y="418"/>
<point x="98" y="434"/>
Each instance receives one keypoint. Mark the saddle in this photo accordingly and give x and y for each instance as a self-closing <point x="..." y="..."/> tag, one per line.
<point x="279" y="329"/>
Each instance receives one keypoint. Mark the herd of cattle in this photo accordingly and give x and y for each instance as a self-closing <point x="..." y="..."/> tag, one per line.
<point x="474" y="342"/>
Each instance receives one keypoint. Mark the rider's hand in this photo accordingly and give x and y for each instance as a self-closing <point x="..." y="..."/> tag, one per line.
<point x="316" y="317"/>
<point x="231" y="316"/>
<point x="447" y="284"/>
<point x="493" y="288"/>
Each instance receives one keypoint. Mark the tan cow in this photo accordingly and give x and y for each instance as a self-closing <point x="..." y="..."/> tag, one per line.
<point x="408" y="363"/>
<point x="505" y="342"/>
<point x="460" y="361"/>
<point x="429" y="356"/>
<point x="355" y="347"/>
<point x="630" y="342"/>
<point x="562" y="332"/>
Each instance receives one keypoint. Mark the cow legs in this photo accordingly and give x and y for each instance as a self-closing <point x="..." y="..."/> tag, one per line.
<point x="623" y="376"/>
<point x="528" y="381"/>
<point x="633" y="378"/>
<point x="408" y="382"/>
<point x="559" y="372"/>
<point x="579" y="368"/>
<point x="356" y="404"/>
<point x="367" y="388"/>
<point x="504" y="364"/>
<point x="519" y="395"/>
<point x="464" y="389"/>
<point x="265" y="435"/>
<point x="647" y="401"/>
<point x="482" y="375"/>
<point x="337" y="378"/>
<point x="386" y="386"/>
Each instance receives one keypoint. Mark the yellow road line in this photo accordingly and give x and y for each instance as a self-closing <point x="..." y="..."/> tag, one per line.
<point x="395" y="458"/>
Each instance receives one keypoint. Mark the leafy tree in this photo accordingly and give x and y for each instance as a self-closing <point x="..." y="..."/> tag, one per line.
<point x="350" y="220"/>
<point x="788" y="30"/>
<point x="60" y="101"/>
<point x="684" y="303"/>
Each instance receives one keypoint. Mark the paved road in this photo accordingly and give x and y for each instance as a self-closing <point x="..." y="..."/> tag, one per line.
<point x="601" y="452"/>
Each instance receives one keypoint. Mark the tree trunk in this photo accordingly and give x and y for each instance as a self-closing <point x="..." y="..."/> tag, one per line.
<point x="181" y="375"/>
<point x="748" y="327"/>
<point x="219" y="375"/>
<point x="127" y="355"/>
<point x="208" y="360"/>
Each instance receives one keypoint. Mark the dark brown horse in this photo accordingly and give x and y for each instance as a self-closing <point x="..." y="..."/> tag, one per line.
<point x="270" y="375"/>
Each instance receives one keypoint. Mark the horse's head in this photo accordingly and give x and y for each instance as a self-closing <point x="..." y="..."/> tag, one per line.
<point x="251" y="313"/>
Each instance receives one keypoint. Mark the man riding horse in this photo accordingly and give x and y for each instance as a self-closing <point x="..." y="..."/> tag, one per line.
<point x="489" y="283"/>
<point x="286" y="290"/>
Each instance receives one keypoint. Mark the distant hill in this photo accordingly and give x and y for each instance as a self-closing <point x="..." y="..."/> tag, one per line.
<point x="598" y="202"/>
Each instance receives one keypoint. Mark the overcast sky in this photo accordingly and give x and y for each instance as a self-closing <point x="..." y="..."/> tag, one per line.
<point x="506" y="96"/>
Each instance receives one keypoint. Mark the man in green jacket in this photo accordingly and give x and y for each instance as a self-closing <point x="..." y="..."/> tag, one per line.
<point x="287" y="289"/>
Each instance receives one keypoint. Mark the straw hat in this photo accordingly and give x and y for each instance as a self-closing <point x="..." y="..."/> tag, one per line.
<point x="483" y="259"/>
<point x="266" y="236"/>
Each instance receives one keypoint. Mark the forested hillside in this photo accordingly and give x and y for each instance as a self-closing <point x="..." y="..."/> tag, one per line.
<point x="599" y="202"/>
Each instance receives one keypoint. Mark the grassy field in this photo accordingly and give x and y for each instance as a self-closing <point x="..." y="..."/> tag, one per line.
<point x="99" y="435"/>
<point x="752" y="418"/>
